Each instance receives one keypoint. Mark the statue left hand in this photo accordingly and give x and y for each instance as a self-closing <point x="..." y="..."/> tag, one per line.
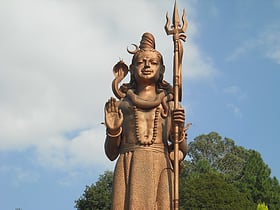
<point x="178" y="117"/>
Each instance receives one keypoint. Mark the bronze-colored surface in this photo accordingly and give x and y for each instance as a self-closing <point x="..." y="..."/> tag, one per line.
<point x="178" y="33"/>
<point x="144" y="127"/>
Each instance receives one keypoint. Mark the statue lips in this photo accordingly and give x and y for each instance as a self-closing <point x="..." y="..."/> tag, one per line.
<point x="146" y="71"/>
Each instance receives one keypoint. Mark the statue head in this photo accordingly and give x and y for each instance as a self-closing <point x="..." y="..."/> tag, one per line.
<point x="147" y="45"/>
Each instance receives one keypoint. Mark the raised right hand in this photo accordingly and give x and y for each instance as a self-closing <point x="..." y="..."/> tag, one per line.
<point x="113" y="116"/>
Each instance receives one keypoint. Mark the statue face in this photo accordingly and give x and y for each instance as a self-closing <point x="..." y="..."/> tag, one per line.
<point x="147" y="67"/>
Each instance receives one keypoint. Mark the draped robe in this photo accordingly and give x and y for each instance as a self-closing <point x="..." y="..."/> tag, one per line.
<point x="143" y="176"/>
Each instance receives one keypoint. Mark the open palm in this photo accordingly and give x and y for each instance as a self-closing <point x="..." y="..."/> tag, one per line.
<point x="113" y="115"/>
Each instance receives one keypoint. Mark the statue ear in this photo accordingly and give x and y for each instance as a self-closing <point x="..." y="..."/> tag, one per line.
<point x="161" y="72"/>
<point x="131" y="68"/>
<point x="131" y="71"/>
<point x="162" y="69"/>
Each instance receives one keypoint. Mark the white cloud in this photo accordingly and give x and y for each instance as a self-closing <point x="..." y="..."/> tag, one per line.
<point x="197" y="65"/>
<point x="236" y="96"/>
<point x="232" y="89"/>
<point x="267" y="43"/>
<point x="236" y="92"/>
<point x="270" y="40"/>
<point x="242" y="49"/>
<point x="276" y="4"/>
<point x="235" y="109"/>
<point x="20" y="175"/>
<point x="84" y="150"/>
<point x="56" y="71"/>
<point x="214" y="11"/>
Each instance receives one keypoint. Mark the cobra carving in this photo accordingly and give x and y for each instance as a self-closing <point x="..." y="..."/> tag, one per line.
<point x="120" y="70"/>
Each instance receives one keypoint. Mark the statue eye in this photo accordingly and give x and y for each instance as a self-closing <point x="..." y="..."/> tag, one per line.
<point x="140" y="62"/>
<point x="154" y="62"/>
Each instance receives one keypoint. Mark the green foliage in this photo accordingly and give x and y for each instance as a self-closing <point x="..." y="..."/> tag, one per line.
<point x="262" y="206"/>
<point x="242" y="168"/>
<point x="274" y="195"/>
<point x="222" y="154"/>
<point x="97" y="196"/>
<point x="217" y="175"/>
<point x="210" y="191"/>
<point x="255" y="178"/>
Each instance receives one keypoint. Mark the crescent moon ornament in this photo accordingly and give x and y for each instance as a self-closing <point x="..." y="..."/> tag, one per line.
<point x="133" y="51"/>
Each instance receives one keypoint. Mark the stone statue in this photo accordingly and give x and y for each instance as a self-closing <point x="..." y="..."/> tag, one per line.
<point x="139" y="132"/>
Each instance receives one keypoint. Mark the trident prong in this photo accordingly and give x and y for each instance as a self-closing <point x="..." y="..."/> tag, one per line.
<point x="176" y="28"/>
<point x="167" y="25"/>
<point x="184" y="20"/>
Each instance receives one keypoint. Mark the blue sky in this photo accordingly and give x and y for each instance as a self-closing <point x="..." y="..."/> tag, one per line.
<point x="56" y="60"/>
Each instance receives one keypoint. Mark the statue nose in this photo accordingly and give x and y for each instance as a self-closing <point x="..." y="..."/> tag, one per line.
<point x="147" y="64"/>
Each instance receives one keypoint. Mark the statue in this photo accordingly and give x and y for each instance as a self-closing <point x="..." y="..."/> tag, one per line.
<point x="140" y="132"/>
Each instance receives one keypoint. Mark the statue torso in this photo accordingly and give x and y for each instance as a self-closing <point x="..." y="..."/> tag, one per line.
<point x="143" y="126"/>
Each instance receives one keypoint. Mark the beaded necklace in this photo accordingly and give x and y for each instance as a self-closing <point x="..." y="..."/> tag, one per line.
<point x="155" y="128"/>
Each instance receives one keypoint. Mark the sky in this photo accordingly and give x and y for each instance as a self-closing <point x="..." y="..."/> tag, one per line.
<point x="56" y="59"/>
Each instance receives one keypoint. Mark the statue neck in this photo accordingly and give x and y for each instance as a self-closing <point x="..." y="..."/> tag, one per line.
<point x="146" y="92"/>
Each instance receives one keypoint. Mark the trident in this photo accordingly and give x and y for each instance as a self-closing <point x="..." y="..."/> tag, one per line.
<point x="178" y="33"/>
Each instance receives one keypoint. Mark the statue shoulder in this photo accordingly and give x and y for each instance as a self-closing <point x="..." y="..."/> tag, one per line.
<point x="124" y="104"/>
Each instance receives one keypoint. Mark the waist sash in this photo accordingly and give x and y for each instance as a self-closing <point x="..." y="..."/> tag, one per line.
<point x="153" y="148"/>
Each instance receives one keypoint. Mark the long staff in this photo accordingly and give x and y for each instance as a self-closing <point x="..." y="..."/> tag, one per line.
<point x="178" y="33"/>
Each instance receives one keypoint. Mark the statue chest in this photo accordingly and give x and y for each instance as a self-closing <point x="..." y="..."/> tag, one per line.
<point x="143" y="126"/>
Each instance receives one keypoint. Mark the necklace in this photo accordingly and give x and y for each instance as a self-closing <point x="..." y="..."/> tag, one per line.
<point x="140" y="140"/>
<point x="144" y="104"/>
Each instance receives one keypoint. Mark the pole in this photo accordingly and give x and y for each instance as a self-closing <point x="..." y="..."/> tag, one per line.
<point x="178" y="33"/>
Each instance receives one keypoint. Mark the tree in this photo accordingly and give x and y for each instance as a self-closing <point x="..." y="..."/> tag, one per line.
<point x="243" y="168"/>
<point x="210" y="191"/>
<point x="255" y="179"/>
<point x="217" y="175"/>
<point x="98" y="195"/>
<point x="222" y="154"/>
<point x="274" y="194"/>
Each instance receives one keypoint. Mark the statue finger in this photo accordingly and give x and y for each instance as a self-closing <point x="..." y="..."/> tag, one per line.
<point x="112" y="105"/>
<point x="179" y="111"/>
<point x="107" y="106"/>
<point x="114" y="108"/>
<point x="178" y="115"/>
<point x="180" y="119"/>
<point x="120" y="113"/>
